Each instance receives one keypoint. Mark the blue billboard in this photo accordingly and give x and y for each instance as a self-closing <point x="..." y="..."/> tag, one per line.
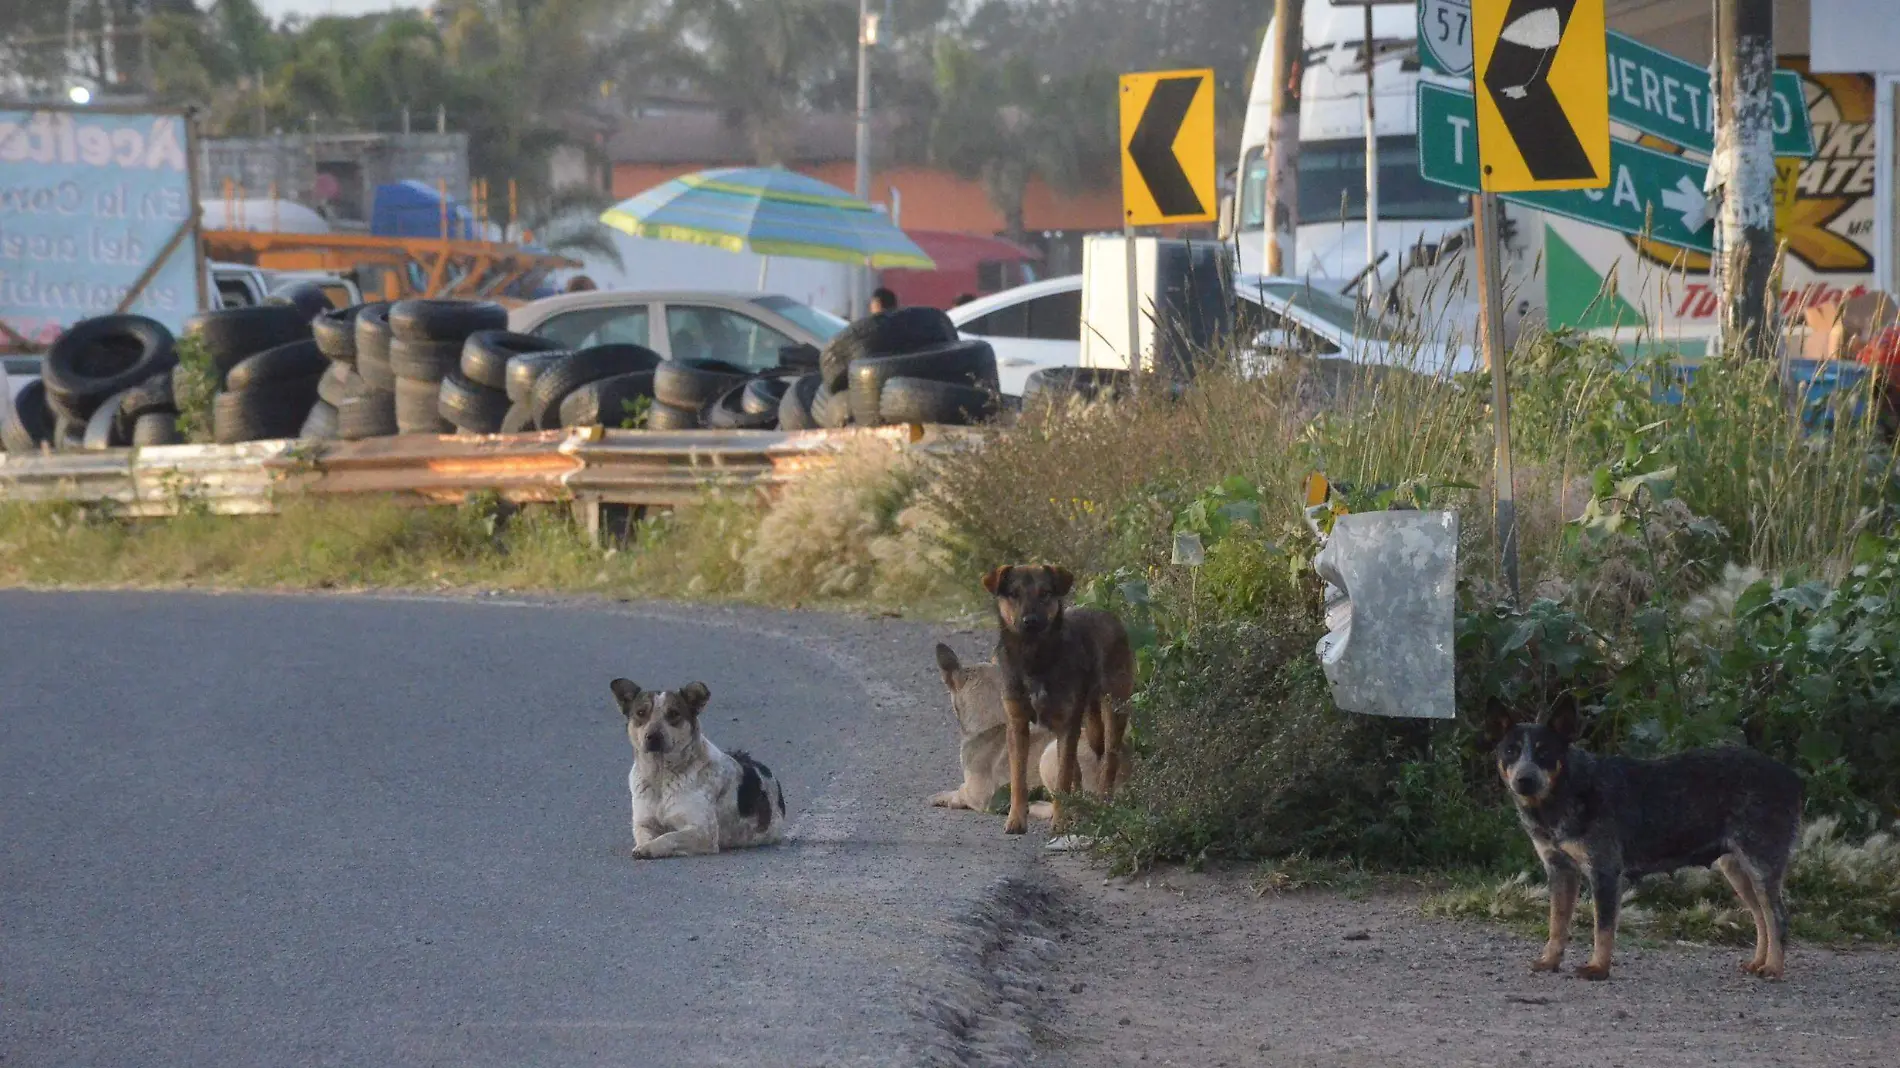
<point x="92" y="204"/>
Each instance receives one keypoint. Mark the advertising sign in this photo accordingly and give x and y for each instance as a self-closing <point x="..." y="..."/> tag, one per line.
<point x="98" y="214"/>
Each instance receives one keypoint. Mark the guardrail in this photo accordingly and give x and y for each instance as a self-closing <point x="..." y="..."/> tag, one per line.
<point x="590" y="467"/>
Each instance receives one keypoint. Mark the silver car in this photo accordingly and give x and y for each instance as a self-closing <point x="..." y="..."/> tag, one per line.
<point x="750" y="330"/>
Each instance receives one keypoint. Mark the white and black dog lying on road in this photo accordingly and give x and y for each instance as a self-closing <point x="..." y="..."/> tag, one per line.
<point x="689" y="798"/>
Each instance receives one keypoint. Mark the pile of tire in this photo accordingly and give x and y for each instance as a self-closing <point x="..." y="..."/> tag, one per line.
<point x="425" y="350"/>
<point x="267" y="365"/>
<point x="901" y="366"/>
<point x="482" y="397"/>
<point x="602" y="385"/>
<point x="105" y="383"/>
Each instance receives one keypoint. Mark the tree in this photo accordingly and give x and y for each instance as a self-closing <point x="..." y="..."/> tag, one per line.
<point x="1004" y="116"/>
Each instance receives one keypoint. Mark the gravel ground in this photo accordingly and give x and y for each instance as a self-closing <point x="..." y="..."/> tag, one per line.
<point x="1193" y="969"/>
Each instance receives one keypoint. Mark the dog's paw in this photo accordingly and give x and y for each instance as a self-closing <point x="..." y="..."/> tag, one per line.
<point x="642" y="853"/>
<point x="1751" y="966"/>
<point x="1770" y="972"/>
<point x="1547" y="963"/>
<point x="1594" y="972"/>
<point x="1016" y="825"/>
<point x="947" y="799"/>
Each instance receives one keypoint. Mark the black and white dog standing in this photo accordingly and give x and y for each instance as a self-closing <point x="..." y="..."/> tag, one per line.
<point x="689" y="798"/>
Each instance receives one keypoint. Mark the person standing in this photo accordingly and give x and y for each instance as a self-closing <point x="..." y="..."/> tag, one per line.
<point x="882" y="300"/>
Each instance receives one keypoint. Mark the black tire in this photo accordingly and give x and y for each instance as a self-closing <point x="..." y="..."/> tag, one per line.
<point x="663" y="416"/>
<point x="335" y="383"/>
<point x="519" y="420"/>
<point x="156" y="428"/>
<point x="26" y="422"/>
<point x="96" y="358"/>
<point x="1088" y="383"/>
<point x="418" y="408"/>
<point x="293" y="362"/>
<point x="763" y="394"/>
<point x="366" y="413"/>
<point x="102" y="429"/>
<point x="424" y="361"/>
<point x="307" y="297"/>
<point x="832" y="411"/>
<point x="152" y="395"/>
<point x="372" y="347"/>
<point x="920" y="400"/>
<point x="584" y="366"/>
<point x="444" y="320"/>
<point x="795" y="408"/>
<point x="525" y="368"/>
<point x="728" y="413"/>
<point x="231" y="334"/>
<point x="603" y="402"/>
<point x="695" y="383"/>
<point x="467" y="406"/>
<point x="486" y="354"/>
<point x="68" y="435"/>
<point x="320" y="424"/>
<point x="264" y="412"/>
<point x="969" y="363"/>
<point x="335" y="331"/>
<point x="886" y="334"/>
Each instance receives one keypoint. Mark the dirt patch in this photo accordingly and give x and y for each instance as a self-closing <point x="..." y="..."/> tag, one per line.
<point x="1190" y="969"/>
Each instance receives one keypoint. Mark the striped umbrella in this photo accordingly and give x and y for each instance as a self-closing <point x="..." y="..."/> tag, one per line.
<point x="768" y="211"/>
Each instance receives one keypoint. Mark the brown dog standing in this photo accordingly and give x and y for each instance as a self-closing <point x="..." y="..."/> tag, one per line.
<point x="1070" y="670"/>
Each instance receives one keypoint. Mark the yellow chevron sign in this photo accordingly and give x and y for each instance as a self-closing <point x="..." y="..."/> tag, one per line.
<point x="1543" y="94"/>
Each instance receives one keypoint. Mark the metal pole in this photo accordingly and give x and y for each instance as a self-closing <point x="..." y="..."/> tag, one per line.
<point x="1742" y="170"/>
<point x="860" y="278"/>
<point x="1372" y="172"/>
<point x="1491" y="313"/>
<point x="1282" y="204"/>
<point x="1134" y="297"/>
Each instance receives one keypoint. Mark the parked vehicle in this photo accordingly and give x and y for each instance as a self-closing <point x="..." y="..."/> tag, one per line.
<point x="746" y="329"/>
<point x="1038" y="326"/>
<point x="1031" y="327"/>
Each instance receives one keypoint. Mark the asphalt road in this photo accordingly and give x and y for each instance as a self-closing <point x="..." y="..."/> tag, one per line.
<point x="259" y="830"/>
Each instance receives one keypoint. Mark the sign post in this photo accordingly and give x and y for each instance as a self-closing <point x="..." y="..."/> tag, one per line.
<point x="1543" y="124"/>
<point x="1167" y="138"/>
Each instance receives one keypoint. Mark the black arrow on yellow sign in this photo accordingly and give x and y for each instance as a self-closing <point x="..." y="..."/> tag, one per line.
<point x="1152" y="146"/>
<point x="1518" y="81"/>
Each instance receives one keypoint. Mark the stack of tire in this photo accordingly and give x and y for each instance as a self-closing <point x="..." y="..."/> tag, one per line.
<point x="482" y="397"/>
<point x="713" y="394"/>
<point x="901" y="366"/>
<point x="267" y="365"/>
<point x="594" y="386"/>
<point x="341" y="388"/>
<point x="105" y="383"/>
<point x="425" y="350"/>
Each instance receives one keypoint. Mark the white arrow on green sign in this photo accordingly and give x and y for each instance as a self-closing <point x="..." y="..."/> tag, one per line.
<point x="1650" y="192"/>
<point x="1650" y="90"/>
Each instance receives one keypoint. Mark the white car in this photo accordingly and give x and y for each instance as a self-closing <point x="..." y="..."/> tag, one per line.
<point x="1039" y="325"/>
<point x="1031" y="327"/>
<point x="747" y="329"/>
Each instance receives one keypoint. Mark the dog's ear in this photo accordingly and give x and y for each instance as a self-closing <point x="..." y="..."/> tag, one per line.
<point x="948" y="663"/>
<point x="695" y="694"/>
<point x="1563" y="720"/>
<point x="1496" y="725"/>
<point x="996" y="580"/>
<point x="626" y="691"/>
<point x="1062" y="580"/>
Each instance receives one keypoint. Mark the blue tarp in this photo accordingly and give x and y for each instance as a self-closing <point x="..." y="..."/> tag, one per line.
<point x="414" y="209"/>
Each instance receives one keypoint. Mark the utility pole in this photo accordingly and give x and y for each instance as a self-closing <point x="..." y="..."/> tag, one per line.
<point x="1372" y="172"/>
<point x="867" y="36"/>
<point x="1282" y="206"/>
<point x="1742" y="170"/>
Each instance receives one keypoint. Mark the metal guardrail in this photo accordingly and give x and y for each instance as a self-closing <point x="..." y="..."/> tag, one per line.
<point x="588" y="466"/>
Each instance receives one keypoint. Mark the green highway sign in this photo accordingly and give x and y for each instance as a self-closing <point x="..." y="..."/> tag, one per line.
<point x="1650" y="90"/>
<point x="1650" y="192"/>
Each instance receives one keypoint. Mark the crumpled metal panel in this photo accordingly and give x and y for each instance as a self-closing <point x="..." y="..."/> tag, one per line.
<point x="1391" y="591"/>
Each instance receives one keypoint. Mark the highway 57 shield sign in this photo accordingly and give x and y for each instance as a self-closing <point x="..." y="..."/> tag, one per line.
<point x="1543" y="95"/>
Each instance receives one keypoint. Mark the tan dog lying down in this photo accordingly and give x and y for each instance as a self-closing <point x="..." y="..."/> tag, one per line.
<point x="976" y="696"/>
